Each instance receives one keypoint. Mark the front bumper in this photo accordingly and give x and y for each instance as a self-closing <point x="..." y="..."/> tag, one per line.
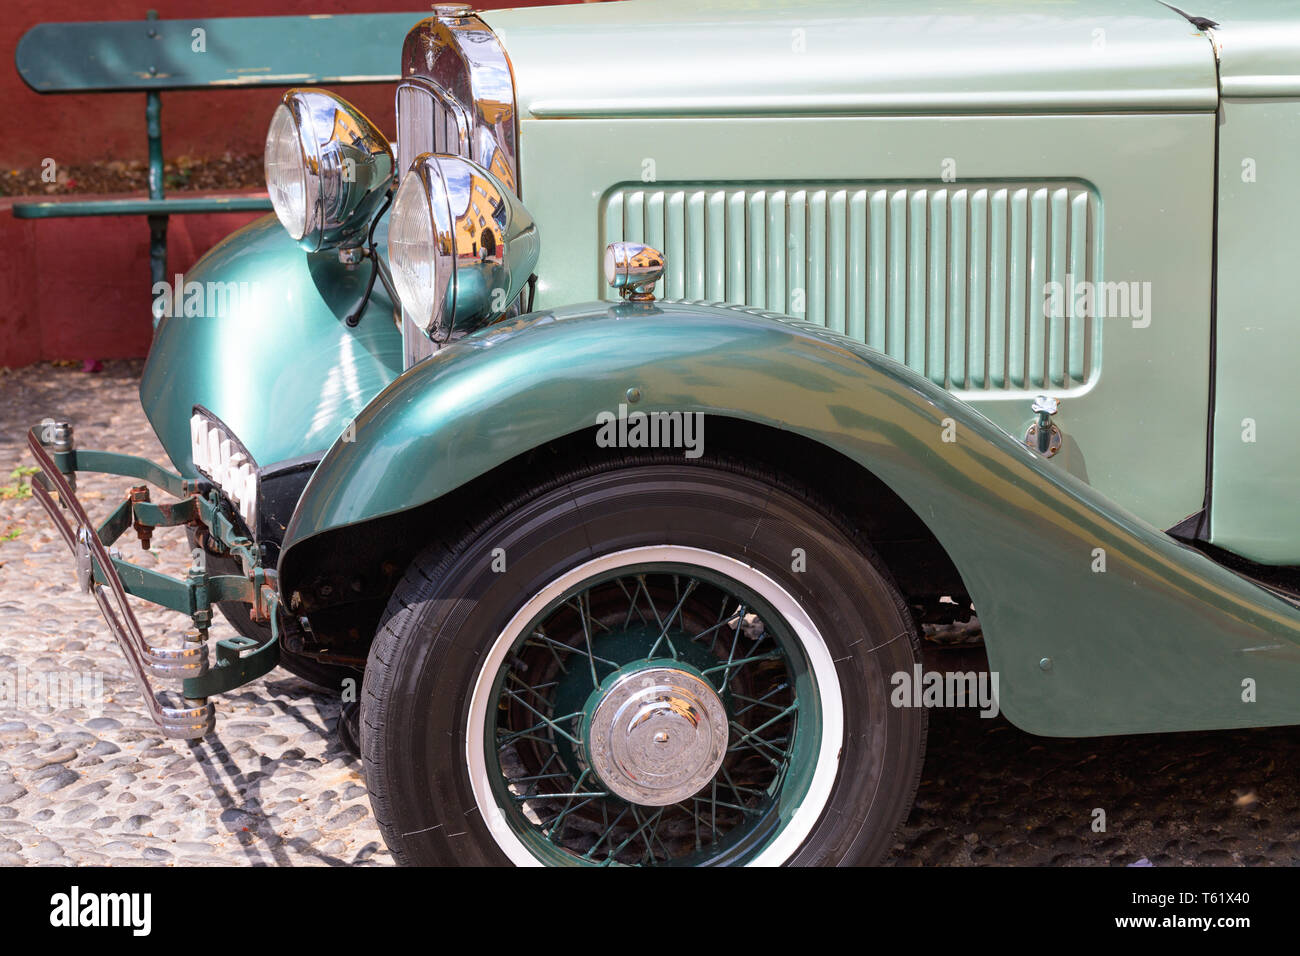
<point x="188" y="712"/>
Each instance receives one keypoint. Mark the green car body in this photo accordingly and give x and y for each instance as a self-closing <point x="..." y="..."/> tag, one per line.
<point x="889" y="190"/>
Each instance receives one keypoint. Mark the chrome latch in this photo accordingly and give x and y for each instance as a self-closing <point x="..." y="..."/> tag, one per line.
<point x="1043" y="436"/>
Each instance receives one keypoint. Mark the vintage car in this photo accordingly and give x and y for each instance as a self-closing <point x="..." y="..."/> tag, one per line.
<point x="611" y="436"/>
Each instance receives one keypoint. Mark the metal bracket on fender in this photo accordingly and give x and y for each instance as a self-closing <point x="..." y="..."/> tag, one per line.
<point x="109" y="578"/>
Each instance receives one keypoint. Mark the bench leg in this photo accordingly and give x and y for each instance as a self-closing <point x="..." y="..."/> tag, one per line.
<point x="158" y="250"/>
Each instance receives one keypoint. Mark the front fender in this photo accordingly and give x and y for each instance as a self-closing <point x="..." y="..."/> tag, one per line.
<point x="1095" y="621"/>
<point x="273" y="358"/>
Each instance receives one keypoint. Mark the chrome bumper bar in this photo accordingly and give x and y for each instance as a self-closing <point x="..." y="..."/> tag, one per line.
<point x="186" y="714"/>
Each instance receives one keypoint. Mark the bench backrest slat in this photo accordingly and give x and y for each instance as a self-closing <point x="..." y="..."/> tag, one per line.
<point x="238" y="51"/>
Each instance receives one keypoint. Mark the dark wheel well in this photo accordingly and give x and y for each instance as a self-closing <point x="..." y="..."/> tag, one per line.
<point x="341" y="580"/>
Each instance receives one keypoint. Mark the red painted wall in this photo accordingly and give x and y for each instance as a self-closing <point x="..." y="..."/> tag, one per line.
<point x="74" y="128"/>
<point x="79" y="288"/>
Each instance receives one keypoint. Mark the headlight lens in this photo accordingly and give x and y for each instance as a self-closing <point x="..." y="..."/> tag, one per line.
<point x="328" y="169"/>
<point x="461" y="245"/>
<point x="411" y="253"/>
<point x="286" y="172"/>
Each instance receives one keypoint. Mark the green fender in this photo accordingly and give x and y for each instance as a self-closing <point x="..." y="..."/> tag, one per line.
<point x="276" y="363"/>
<point x="1162" y="639"/>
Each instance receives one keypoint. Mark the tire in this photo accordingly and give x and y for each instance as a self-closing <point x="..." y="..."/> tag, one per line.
<point x="466" y="653"/>
<point x="328" y="677"/>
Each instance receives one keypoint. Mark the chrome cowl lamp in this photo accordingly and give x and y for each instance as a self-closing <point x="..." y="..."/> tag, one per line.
<point x="461" y="245"/>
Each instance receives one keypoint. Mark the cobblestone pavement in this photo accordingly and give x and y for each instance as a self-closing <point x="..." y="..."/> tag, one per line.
<point x="272" y="785"/>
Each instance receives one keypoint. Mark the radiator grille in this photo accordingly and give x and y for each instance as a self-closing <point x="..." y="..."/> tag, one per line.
<point x="427" y="122"/>
<point x="950" y="280"/>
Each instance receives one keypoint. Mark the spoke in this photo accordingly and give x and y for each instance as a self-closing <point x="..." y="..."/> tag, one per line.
<point x="541" y="771"/>
<point x="552" y="723"/>
<point x="540" y="776"/>
<point x="552" y="643"/>
<point x="600" y="624"/>
<point x="586" y="636"/>
<point x="524" y="735"/>
<point x="533" y="689"/>
<point x="722" y="619"/>
<point x="753" y="743"/>
<point x="642" y="589"/>
<point x="771" y="655"/>
<point x="737" y="790"/>
<point x="731" y="655"/>
<point x="712" y="630"/>
<point x="547" y="642"/>
<point x="558" y="822"/>
<point x="663" y="633"/>
<point x="713" y="833"/>
<point x="773" y="719"/>
<point x="761" y="701"/>
<point x="637" y="832"/>
<point x="631" y="607"/>
<point x="571" y="795"/>
<point x="749" y="811"/>
<point x="609" y="828"/>
<point x="528" y="732"/>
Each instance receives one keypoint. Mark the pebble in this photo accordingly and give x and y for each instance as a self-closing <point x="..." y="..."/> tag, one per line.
<point x="58" y="781"/>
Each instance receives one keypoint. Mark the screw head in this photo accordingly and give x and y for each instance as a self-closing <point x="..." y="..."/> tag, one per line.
<point x="634" y="394"/>
<point x="1045" y="664"/>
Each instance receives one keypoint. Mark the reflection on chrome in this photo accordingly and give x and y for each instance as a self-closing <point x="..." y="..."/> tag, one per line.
<point x="343" y="169"/>
<point x="633" y="269"/>
<point x="461" y="245"/>
<point x="456" y="60"/>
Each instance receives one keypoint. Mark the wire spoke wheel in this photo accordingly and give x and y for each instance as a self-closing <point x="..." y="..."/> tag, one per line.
<point x="625" y="668"/>
<point x="653" y="712"/>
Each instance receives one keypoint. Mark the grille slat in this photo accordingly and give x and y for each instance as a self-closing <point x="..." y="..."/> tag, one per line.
<point x="949" y="279"/>
<point x="427" y="122"/>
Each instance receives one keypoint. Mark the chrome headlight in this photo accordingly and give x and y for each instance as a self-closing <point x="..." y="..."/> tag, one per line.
<point x="461" y="245"/>
<point x="327" y="169"/>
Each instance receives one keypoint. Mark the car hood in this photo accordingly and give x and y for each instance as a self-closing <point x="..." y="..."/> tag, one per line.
<point x="735" y="57"/>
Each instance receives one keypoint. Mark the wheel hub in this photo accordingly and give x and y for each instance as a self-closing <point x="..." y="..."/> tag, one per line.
<point x="655" y="733"/>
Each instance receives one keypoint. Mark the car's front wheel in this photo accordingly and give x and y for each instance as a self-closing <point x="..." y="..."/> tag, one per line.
<point x="658" y="663"/>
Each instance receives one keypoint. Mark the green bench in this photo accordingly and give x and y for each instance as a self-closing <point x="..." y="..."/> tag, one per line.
<point x="153" y="55"/>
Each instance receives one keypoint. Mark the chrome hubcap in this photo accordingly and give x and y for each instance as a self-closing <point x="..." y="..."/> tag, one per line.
<point x="655" y="734"/>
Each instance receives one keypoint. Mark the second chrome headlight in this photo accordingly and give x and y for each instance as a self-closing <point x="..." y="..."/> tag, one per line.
<point x="461" y="245"/>
<point x="327" y="169"/>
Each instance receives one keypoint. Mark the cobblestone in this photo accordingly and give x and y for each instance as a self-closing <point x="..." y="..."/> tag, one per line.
<point x="272" y="785"/>
<point x="98" y="784"/>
